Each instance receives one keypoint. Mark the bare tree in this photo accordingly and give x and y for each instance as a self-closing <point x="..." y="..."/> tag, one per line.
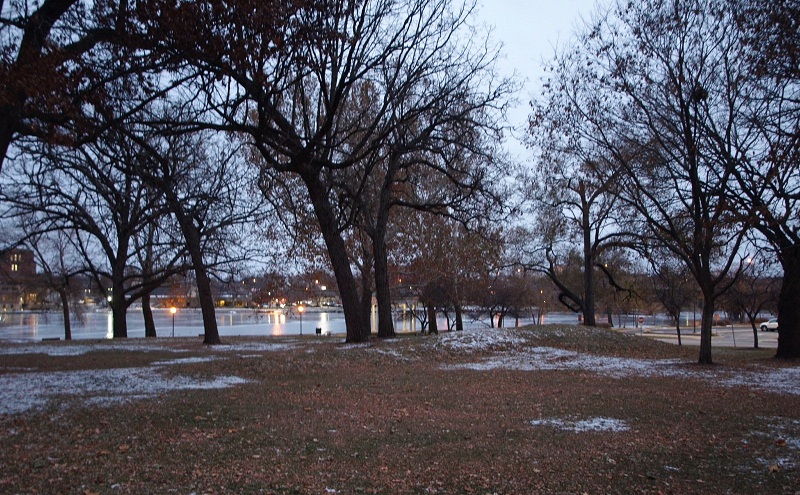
<point x="755" y="291"/>
<point x="93" y="193"/>
<point x="768" y="191"/>
<point x="575" y="205"/>
<point x="300" y="102"/>
<point x="650" y="86"/>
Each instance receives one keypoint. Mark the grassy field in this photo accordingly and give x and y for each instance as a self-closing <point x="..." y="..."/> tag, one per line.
<point x="538" y="410"/>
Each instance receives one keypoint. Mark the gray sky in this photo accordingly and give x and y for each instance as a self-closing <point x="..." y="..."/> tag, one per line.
<point x="530" y="30"/>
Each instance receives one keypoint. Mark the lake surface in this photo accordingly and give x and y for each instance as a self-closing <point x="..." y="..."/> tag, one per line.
<point x="97" y="323"/>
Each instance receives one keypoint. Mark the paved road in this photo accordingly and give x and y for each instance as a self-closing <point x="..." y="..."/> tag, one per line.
<point x="722" y="337"/>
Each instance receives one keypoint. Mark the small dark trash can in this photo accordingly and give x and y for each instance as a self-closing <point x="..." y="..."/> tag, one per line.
<point x="319" y="331"/>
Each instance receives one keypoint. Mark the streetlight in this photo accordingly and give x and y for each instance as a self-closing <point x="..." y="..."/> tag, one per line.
<point x="173" y="310"/>
<point x="300" y="310"/>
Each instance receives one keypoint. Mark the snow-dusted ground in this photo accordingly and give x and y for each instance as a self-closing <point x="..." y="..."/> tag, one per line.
<point x="582" y="425"/>
<point x="520" y="357"/>
<point x="25" y="389"/>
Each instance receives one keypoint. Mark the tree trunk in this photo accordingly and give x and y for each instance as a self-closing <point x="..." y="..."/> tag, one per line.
<point x="119" y="308"/>
<point x="588" y="272"/>
<point x="119" y="311"/>
<point x="147" y="312"/>
<point x="433" y="327"/>
<point x="357" y="329"/>
<point x="365" y="311"/>
<point x="706" y="329"/>
<point x="205" y="296"/>
<point x="63" y="294"/>
<point x="678" y="329"/>
<point x="6" y="134"/>
<point x="789" y="305"/>
<point x="382" y="292"/>
<point x="459" y="317"/>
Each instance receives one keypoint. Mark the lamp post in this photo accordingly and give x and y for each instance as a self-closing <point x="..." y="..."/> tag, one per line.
<point x="173" y="310"/>
<point x="300" y="311"/>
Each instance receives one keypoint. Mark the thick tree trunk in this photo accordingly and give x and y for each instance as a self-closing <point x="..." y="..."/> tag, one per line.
<point x="118" y="305"/>
<point x="588" y="272"/>
<point x="678" y="329"/>
<point x="459" y="317"/>
<point x="63" y="294"/>
<point x="119" y="311"/>
<point x="755" y="333"/>
<point x="789" y="305"/>
<point x="433" y="327"/>
<point x="204" y="294"/>
<point x="6" y="135"/>
<point x="357" y="329"/>
<point x="147" y="312"/>
<point x="366" y="295"/>
<point x="382" y="292"/>
<point x="706" y="329"/>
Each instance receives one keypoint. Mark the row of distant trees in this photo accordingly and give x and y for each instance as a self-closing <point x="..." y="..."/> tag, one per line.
<point x="668" y="132"/>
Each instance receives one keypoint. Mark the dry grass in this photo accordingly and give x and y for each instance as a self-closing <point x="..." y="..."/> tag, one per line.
<point x="415" y="415"/>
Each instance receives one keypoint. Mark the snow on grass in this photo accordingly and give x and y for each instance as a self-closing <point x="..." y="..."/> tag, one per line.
<point x="188" y="360"/>
<point x="584" y="425"/>
<point x="480" y="339"/>
<point x="79" y="349"/>
<point x="553" y="359"/>
<point x="255" y="347"/>
<point x="22" y="392"/>
<point x="780" y="381"/>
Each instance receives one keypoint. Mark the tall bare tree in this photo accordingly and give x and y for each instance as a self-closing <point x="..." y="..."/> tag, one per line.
<point x="300" y="101"/>
<point x="769" y="192"/>
<point x="650" y="87"/>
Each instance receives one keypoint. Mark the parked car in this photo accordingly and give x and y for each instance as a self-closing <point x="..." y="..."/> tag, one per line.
<point x="771" y="325"/>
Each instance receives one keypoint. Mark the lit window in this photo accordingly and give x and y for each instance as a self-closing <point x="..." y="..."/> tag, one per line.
<point x="14" y="267"/>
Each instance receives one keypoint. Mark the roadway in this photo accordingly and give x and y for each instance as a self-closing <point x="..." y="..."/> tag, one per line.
<point x="730" y="336"/>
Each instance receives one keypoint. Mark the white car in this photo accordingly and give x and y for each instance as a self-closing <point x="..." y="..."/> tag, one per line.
<point x="771" y="325"/>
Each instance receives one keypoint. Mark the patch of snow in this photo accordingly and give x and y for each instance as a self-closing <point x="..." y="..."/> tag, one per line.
<point x="255" y="347"/>
<point x="549" y="358"/>
<point x="69" y="349"/>
<point x="480" y="339"/>
<point x="22" y="392"/>
<point x="584" y="425"/>
<point x="188" y="360"/>
<point x="780" y="381"/>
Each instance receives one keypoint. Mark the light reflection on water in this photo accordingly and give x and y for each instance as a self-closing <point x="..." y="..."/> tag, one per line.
<point x="189" y="323"/>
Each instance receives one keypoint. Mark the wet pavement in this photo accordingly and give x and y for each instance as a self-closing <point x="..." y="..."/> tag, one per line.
<point x="729" y="336"/>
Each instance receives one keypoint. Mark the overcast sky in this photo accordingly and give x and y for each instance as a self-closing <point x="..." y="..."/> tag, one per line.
<point x="530" y="30"/>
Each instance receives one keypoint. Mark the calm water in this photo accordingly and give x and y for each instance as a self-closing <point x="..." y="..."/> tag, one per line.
<point x="97" y="324"/>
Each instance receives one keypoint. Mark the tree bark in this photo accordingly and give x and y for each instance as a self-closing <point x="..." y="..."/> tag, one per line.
<point x="6" y="134"/>
<point x="789" y="305"/>
<point x="63" y="294"/>
<point x="204" y="294"/>
<point x="433" y="327"/>
<point x="366" y="295"/>
<point x="706" y="329"/>
<point x="357" y="329"/>
<point x="119" y="308"/>
<point x="588" y="272"/>
<point x="382" y="291"/>
<point x="147" y="312"/>
<point x="459" y="317"/>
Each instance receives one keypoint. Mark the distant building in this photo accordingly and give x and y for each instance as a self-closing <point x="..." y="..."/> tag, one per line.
<point x="17" y="271"/>
<point x="16" y="264"/>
